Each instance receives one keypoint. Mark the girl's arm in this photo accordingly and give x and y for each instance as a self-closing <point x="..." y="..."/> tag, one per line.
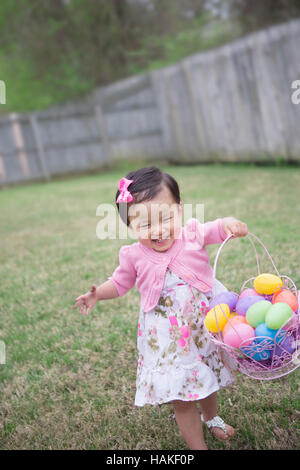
<point x="235" y="227"/>
<point x="107" y="290"/>
<point x="87" y="301"/>
<point x="124" y="276"/>
<point x="122" y="279"/>
<point x="216" y="231"/>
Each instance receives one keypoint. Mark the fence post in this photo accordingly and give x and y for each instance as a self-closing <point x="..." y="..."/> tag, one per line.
<point x="39" y="145"/>
<point x="178" y="134"/>
<point x="19" y="141"/>
<point x="2" y="169"/>
<point x="200" y="136"/>
<point x="157" y="84"/>
<point x="100" y="118"/>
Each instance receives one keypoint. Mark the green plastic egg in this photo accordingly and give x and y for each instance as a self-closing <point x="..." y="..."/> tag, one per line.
<point x="256" y="314"/>
<point x="277" y="315"/>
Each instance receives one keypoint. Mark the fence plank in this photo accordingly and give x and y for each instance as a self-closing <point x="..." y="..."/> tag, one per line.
<point x="268" y="91"/>
<point x="19" y="143"/>
<point x="100" y="118"/>
<point x="177" y="131"/>
<point x="158" y="89"/>
<point x="201" y="151"/>
<point x="2" y="169"/>
<point x="39" y="145"/>
<point x="231" y="103"/>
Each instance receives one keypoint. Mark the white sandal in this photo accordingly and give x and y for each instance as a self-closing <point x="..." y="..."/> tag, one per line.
<point x="216" y="422"/>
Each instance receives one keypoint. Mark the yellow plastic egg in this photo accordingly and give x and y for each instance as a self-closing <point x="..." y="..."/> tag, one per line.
<point x="217" y="318"/>
<point x="267" y="283"/>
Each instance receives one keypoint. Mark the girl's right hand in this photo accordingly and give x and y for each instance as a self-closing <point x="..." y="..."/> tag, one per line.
<point x="87" y="300"/>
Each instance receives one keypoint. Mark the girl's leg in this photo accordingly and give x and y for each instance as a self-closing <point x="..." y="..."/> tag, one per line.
<point x="209" y="407"/>
<point x="189" y="422"/>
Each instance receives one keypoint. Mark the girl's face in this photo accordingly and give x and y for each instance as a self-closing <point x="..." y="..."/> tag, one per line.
<point x="156" y="223"/>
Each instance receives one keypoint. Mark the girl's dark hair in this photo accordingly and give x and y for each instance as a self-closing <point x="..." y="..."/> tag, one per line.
<point x="147" y="183"/>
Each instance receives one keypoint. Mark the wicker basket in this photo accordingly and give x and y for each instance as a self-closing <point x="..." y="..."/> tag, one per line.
<point x="280" y="361"/>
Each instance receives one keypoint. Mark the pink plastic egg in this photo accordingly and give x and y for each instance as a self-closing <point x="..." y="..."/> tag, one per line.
<point x="237" y="334"/>
<point x="234" y="320"/>
<point x="248" y="292"/>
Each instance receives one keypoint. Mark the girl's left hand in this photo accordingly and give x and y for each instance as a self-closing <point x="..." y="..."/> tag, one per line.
<point x="235" y="227"/>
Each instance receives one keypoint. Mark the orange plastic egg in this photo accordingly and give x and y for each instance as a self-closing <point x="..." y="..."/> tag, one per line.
<point x="286" y="296"/>
<point x="232" y="321"/>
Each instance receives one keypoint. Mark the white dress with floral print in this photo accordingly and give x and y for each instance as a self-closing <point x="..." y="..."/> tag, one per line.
<point x="176" y="359"/>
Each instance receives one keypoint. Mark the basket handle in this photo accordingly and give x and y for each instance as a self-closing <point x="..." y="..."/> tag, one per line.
<point x="256" y="255"/>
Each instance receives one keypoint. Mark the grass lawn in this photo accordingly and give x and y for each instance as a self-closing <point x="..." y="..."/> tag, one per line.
<point x="69" y="380"/>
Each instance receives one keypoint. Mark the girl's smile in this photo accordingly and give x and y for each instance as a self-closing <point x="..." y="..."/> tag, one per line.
<point x="158" y="222"/>
<point x="160" y="243"/>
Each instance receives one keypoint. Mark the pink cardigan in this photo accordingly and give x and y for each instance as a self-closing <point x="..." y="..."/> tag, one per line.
<point x="187" y="257"/>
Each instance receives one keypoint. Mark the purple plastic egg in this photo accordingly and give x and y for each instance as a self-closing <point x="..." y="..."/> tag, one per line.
<point x="288" y="345"/>
<point x="229" y="298"/>
<point x="245" y="302"/>
<point x="268" y="297"/>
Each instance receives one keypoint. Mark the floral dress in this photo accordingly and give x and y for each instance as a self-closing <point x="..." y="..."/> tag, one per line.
<point x="176" y="358"/>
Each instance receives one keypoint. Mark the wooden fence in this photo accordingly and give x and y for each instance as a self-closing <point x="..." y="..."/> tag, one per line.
<point x="232" y="103"/>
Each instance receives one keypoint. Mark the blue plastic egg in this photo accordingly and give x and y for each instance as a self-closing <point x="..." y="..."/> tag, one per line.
<point x="259" y="349"/>
<point x="263" y="330"/>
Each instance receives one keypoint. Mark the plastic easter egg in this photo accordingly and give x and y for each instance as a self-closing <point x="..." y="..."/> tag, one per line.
<point x="286" y="296"/>
<point x="228" y="298"/>
<point x="233" y="320"/>
<point x="216" y="318"/>
<point x="268" y="297"/>
<point x="256" y="314"/>
<point x="237" y="334"/>
<point x="287" y="345"/>
<point x="267" y="283"/>
<point x="248" y="292"/>
<point x="246" y="302"/>
<point x="294" y="320"/>
<point x="259" y="349"/>
<point x="277" y="315"/>
<point x="263" y="330"/>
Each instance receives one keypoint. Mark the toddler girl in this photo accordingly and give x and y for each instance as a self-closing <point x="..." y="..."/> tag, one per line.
<point x="177" y="362"/>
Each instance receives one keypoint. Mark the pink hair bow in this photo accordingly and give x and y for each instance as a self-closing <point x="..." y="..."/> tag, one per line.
<point x="125" y="195"/>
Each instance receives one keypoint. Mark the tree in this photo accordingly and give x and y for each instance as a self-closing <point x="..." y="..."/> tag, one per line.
<point x="257" y="13"/>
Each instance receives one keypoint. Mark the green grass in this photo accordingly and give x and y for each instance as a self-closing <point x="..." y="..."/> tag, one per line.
<point x="69" y="380"/>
